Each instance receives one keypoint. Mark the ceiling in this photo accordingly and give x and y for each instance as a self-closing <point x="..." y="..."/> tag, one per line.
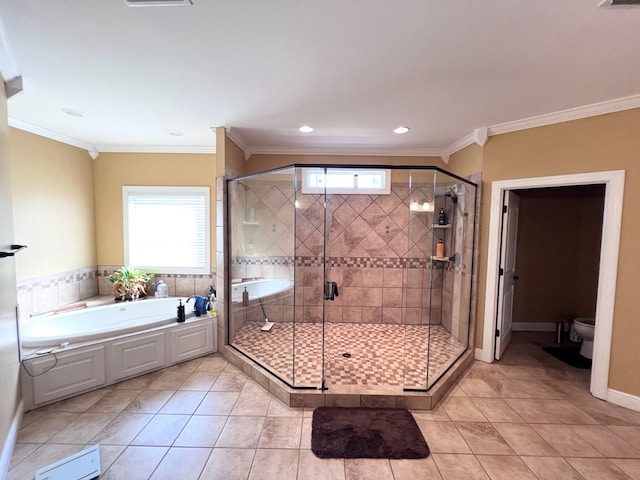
<point x="352" y="69"/>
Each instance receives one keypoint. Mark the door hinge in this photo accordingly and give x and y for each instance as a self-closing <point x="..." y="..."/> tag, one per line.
<point x="504" y="209"/>
<point x="501" y="271"/>
<point x="497" y="332"/>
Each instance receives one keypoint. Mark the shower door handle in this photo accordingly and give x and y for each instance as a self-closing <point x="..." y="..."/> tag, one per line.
<point x="330" y="290"/>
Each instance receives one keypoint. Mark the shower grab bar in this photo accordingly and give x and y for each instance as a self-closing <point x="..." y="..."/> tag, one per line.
<point x="330" y="290"/>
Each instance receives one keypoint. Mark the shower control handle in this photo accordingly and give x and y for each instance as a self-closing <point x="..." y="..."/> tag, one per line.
<point x="330" y="290"/>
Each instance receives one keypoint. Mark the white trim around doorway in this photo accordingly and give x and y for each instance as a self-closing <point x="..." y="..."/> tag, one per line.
<point x="612" y="219"/>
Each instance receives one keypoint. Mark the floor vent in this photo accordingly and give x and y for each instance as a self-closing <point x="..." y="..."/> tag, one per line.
<point x="83" y="465"/>
<point x="619" y="3"/>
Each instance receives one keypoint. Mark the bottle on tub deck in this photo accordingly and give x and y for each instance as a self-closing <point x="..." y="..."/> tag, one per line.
<point x="162" y="290"/>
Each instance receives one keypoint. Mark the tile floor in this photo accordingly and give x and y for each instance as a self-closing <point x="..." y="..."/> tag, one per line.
<point x="526" y="417"/>
<point x="385" y="355"/>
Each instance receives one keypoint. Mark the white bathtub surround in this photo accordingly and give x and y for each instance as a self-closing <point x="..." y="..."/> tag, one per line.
<point x="260" y="288"/>
<point x="110" y="344"/>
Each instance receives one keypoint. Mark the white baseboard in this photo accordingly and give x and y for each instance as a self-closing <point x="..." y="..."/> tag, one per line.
<point x="533" y="327"/>
<point x="10" y="441"/>
<point x="623" y="399"/>
<point x="481" y="355"/>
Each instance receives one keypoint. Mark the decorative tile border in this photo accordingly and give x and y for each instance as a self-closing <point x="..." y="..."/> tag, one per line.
<point x="312" y="261"/>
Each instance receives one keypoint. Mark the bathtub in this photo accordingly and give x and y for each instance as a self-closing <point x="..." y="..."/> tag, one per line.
<point x="99" y="322"/>
<point x="259" y="288"/>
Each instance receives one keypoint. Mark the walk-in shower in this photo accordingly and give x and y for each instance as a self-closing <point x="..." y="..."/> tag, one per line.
<point x="364" y="271"/>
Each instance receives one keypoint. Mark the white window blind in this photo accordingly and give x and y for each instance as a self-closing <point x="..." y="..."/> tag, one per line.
<point x="346" y="181"/>
<point x="166" y="229"/>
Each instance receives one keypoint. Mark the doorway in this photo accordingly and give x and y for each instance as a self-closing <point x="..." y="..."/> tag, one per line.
<point x="613" y="182"/>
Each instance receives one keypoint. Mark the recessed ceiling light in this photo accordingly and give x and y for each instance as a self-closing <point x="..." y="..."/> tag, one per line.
<point x="175" y="133"/>
<point x="73" y="113"/>
<point x="401" y="130"/>
<point x="306" y="129"/>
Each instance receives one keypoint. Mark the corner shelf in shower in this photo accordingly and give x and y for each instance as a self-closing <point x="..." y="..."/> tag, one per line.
<point x="441" y="259"/>
<point x="437" y="225"/>
<point x="253" y="224"/>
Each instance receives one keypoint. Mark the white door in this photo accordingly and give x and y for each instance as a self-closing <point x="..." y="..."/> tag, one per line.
<point x="507" y="271"/>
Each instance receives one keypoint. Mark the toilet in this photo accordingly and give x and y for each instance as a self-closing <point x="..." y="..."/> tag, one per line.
<point x="585" y="327"/>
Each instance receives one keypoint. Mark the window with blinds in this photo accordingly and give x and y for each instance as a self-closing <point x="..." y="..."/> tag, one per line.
<point x="166" y="229"/>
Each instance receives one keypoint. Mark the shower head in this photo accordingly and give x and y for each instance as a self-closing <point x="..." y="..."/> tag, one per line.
<point x="244" y="185"/>
<point x="452" y="194"/>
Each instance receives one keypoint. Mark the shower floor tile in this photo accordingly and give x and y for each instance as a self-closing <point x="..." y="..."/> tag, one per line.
<point x="376" y="355"/>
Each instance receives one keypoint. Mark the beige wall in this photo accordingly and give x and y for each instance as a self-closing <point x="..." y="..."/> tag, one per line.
<point x="114" y="170"/>
<point x="558" y="251"/>
<point x="260" y="163"/>
<point x="467" y="161"/>
<point x="53" y="205"/>
<point x="9" y="366"/>
<point x="606" y="142"/>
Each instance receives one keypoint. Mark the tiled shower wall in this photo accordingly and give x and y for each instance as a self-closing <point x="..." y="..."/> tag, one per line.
<point x="377" y="253"/>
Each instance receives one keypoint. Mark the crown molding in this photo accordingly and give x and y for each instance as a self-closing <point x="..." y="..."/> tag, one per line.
<point x="236" y="137"/>
<point x="154" y="149"/>
<point x="50" y="134"/>
<point x="480" y="135"/>
<point x="354" y="151"/>
<point x="592" y="110"/>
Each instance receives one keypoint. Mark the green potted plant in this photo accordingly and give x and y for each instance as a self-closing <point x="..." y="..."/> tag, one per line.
<point x="129" y="283"/>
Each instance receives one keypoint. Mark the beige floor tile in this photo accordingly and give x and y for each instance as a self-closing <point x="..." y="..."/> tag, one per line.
<point x="608" y="413"/>
<point x="423" y="468"/>
<point x="108" y="454"/>
<point x="551" y="468"/>
<point x="279" y="409"/>
<point x="83" y="428"/>
<point x="200" y="381"/>
<point x="305" y="437"/>
<point x="43" y="456"/>
<point x="532" y="411"/>
<point x="217" y="403"/>
<point x="628" y="433"/>
<point x="540" y="389"/>
<point x="169" y="381"/>
<point x="568" y="413"/>
<point x="565" y="441"/>
<point x="78" y="404"/>
<point x="500" y="467"/>
<point x="459" y="467"/>
<point x="443" y="437"/>
<point x="201" y="431"/>
<point x="629" y="466"/>
<point x="252" y="404"/>
<point x="476" y="387"/>
<point x="438" y="413"/>
<point x="162" y="430"/>
<point x="367" y="469"/>
<point x="312" y="467"/>
<point x="596" y="469"/>
<point x="189" y="366"/>
<point x="274" y="463"/>
<point x="183" y="402"/>
<point x="461" y="409"/>
<point x="135" y="463"/>
<point x="524" y="440"/>
<point x="115" y="401"/>
<point x="229" y="382"/>
<point x="496" y="410"/>
<point x="456" y="391"/>
<point x="182" y="463"/>
<point x="228" y="464"/>
<point x="281" y="432"/>
<point x="142" y="381"/>
<point x="483" y="439"/>
<point x="509" y="388"/>
<point x="21" y="451"/>
<point x="252" y="386"/>
<point x="33" y="415"/>
<point x="241" y="432"/>
<point x="213" y="364"/>
<point x="123" y="429"/>
<point x="45" y="427"/>
<point x="149" y="401"/>
<point x="605" y="441"/>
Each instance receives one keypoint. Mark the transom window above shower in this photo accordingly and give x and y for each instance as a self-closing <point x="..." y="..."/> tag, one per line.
<point x="346" y="181"/>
